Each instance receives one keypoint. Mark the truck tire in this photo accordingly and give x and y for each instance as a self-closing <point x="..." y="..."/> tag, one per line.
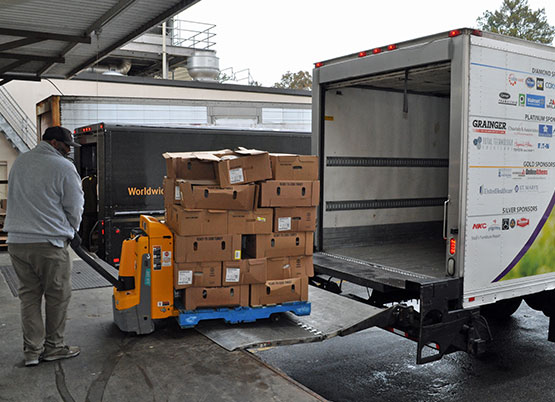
<point x="543" y="301"/>
<point x="501" y="310"/>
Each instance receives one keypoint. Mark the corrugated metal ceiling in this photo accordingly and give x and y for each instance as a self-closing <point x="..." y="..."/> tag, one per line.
<point x="59" y="38"/>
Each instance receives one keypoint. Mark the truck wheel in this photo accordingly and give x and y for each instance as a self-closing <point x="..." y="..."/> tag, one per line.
<point x="541" y="301"/>
<point x="501" y="310"/>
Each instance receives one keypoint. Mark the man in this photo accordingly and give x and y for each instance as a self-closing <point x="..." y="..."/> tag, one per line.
<point x="45" y="204"/>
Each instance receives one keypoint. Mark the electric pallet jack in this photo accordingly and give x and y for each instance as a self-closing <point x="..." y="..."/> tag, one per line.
<point x="144" y="293"/>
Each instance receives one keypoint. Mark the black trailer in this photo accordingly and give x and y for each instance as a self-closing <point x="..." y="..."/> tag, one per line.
<point x="122" y="169"/>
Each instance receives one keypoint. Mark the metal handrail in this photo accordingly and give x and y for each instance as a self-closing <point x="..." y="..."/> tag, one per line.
<point x="201" y="38"/>
<point x="24" y="127"/>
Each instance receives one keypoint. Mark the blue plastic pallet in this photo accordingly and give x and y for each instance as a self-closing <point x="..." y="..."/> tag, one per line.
<point x="188" y="319"/>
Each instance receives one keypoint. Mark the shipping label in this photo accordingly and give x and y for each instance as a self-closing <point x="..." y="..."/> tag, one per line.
<point x="232" y="275"/>
<point x="236" y="176"/>
<point x="284" y="223"/>
<point x="185" y="277"/>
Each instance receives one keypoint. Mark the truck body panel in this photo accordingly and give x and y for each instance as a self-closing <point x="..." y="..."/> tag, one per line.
<point x="407" y="185"/>
<point x="510" y="186"/>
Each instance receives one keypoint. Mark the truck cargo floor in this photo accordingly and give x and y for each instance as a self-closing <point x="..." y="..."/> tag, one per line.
<point x="331" y="315"/>
<point x="425" y="257"/>
<point x="381" y="265"/>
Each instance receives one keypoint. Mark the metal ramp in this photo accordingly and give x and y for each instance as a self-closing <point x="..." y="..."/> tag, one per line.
<point x="332" y="315"/>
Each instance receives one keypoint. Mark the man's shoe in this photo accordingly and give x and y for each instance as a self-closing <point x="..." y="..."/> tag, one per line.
<point x="64" y="353"/>
<point x="32" y="362"/>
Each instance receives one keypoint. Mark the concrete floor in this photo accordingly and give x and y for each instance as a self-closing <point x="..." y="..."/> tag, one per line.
<point x="169" y="365"/>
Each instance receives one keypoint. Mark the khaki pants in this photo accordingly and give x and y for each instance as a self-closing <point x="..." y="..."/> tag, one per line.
<point x="43" y="270"/>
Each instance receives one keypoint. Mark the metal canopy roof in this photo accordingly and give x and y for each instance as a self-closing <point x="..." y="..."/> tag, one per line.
<point x="60" y="38"/>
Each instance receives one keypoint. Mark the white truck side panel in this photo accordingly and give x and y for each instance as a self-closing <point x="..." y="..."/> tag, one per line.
<point x="510" y="225"/>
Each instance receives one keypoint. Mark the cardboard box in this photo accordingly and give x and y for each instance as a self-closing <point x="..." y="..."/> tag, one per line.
<point x="294" y="167"/>
<point x="289" y="193"/>
<point x="246" y="166"/>
<point x="195" y="196"/>
<point x="295" y="219"/>
<point x="193" y="222"/>
<point x="197" y="274"/>
<point x="280" y="291"/>
<point x="290" y="267"/>
<point x="257" y="221"/>
<point x="204" y="297"/>
<point x="244" y="272"/>
<point x="279" y="244"/>
<point x="207" y="248"/>
<point x="193" y="165"/>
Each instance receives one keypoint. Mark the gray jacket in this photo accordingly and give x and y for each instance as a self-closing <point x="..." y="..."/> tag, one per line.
<point x="45" y="198"/>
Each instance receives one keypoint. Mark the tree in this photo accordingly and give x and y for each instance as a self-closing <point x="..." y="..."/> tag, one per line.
<point x="298" y="80"/>
<point x="515" y="18"/>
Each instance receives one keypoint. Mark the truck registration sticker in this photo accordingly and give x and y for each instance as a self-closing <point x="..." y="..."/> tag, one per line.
<point x="232" y="275"/>
<point x="236" y="176"/>
<point x="284" y="224"/>
<point x="185" y="278"/>
<point x="177" y="193"/>
<point x="237" y="255"/>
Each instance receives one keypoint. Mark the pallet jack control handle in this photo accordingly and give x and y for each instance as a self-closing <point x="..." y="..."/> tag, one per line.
<point x="76" y="246"/>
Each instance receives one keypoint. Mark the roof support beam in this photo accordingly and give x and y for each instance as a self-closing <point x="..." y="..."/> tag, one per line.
<point x="9" y="67"/>
<point x="183" y="4"/>
<point x="31" y="57"/>
<point x="96" y="26"/>
<point x="19" y="43"/>
<point x="45" y="35"/>
<point x="22" y="77"/>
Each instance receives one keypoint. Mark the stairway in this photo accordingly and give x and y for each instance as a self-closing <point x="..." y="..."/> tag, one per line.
<point x="18" y="128"/>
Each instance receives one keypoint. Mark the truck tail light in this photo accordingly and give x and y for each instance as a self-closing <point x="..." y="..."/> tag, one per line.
<point x="452" y="246"/>
<point x="318" y="65"/>
<point x="362" y="54"/>
<point x="392" y="47"/>
<point x="376" y="50"/>
<point x="116" y="260"/>
<point x="477" y="32"/>
<point x="454" y="32"/>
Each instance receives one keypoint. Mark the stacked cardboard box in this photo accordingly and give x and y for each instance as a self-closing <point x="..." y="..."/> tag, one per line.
<point x="243" y="224"/>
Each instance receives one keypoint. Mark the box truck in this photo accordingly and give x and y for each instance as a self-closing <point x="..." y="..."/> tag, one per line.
<point x="437" y="165"/>
<point x="122" y="170"/>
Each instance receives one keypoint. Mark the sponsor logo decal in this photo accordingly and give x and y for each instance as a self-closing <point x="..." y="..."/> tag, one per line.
<point x="543" y="145"/>
<point x="492" y="143"/>
<point x="494" y="226"/>
<point x="505" y="172"/>
<point x="546" y="130"/>
<point x="489" y="126"/>
<point x="505" y="225"/>
<point x="513" y="79"/>
<point x="526" y="188"/>
<point x="505" y="99"/>
<point x="530" y="82"/>
<point x="521" y="99"/>
<point x="483" y="190"/>
<point x="551" y="103"/>
<point x="523" y="222"/>
<point x="480" y="226"/>
<point x="512" y="223"/>
<point x="539" y="84"/>
<point x="535" y="101"/>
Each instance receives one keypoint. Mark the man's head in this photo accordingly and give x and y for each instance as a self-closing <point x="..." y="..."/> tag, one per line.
<point x="60" y="138"/>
